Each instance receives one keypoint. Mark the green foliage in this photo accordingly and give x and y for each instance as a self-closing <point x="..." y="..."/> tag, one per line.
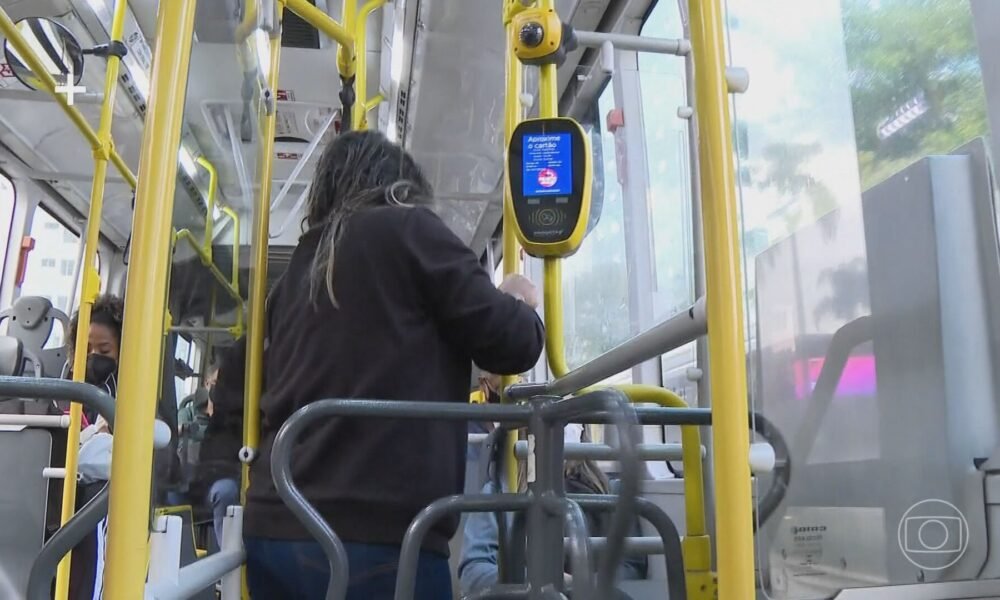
<point x="898" y="50"/>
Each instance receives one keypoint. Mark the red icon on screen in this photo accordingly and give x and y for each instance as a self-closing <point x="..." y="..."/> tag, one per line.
<point x="547" y="178"/>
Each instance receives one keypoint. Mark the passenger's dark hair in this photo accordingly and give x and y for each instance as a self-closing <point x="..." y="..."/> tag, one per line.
<point x="108" y="310"/>
<point x="358" y="170"/>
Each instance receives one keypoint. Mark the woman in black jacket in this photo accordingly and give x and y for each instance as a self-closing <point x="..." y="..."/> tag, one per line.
<point x="217" y="475"/>
<point x="380" y="300"/>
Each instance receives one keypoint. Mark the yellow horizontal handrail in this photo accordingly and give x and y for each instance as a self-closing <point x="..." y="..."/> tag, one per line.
<point x="9" y="30"/>
<point x="334" y="30"/>
<point x="206" y="260"/>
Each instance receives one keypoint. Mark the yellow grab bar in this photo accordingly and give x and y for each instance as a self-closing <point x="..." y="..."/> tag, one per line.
<point x="235" y="218"/>
<point x="230" y="287"/>
<point x="359" y="115"/>
<point x="346" y="56"/>
<point x="697" y="545"/>
<point x="97" y="144"/>
<point x="726" y="339"/>
<point x="145" y="295"/>
<point x="91" y="279"/>
<point x="513" y="114"/>
<point x="258" y="281"/>
<point x="213" y="178"/>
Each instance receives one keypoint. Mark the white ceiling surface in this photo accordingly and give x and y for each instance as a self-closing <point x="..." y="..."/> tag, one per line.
<point x="454" y="124"/>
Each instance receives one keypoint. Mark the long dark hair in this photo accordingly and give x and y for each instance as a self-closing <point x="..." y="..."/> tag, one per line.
<point x="358" y="170"/>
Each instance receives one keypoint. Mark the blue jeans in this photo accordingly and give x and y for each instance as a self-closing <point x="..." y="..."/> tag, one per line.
<point x="298" y="569"/>
<point x="223" y="494"/>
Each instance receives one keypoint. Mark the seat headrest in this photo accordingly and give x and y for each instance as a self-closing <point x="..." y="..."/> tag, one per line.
<point x="11" y="356"/>
<point x="31" y="311"/>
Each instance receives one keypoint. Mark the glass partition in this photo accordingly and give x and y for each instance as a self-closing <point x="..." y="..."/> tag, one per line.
<point x="871" y="267"/>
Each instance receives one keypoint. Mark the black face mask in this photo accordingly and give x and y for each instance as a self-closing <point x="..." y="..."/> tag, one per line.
<point x="100" y="368"/>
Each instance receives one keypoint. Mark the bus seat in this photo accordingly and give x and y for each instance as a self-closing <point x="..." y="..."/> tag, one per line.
<point x="189" y="552"/>
<point x="11" y="356"/>
<point x="30" y="320"/>
<point x="23" y="502"/>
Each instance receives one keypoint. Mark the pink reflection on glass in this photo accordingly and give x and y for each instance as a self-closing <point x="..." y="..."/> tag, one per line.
<point x="858" y="378"/>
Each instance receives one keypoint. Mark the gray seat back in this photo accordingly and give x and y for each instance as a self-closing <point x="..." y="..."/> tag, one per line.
<point x="23" y="501"/>
<point x="31" y="320"/>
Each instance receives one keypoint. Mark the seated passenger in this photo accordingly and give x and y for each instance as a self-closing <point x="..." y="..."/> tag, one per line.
<point x="94" y="467"/>
<point x="477" y="570"/>
<point x="380" y="300"/>
<point x="217" y="474"/>
<point x="192" y="423"/>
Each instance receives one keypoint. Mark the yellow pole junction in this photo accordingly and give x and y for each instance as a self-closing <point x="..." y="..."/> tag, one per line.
<point x="727" y="353"/>
<point x="363" y="104"/>
<point x="145" y="294"/>
<point x="513" y="115"/>
<point x="342" y="34"/>
<point x="258" y="283"/>
<point x="91" y="282"/>
<point x="99" y="146"/>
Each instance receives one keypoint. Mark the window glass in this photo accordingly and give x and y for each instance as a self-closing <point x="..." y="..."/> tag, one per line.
<point x="668" y="165"/>
<point x="664" y="90"/>
<point x="51" y="264"/>
<point x="845" y="95"/>
<point x="595" y="284"/>
<point x="185" y="387"/>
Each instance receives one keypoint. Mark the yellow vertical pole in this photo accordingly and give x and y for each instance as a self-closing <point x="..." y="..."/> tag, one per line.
<point x="727" y="353"/>
<point x="359" y="116"/>
<point x="347" y="60"/>
<point x="513" y="114"/>
<point x="555" y="348"/>
<point x="258" y="282"/>
<point x="90" y="284"/>
<point x="145" y="295"/>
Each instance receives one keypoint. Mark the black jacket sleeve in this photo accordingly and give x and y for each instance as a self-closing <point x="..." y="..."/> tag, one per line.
<point x="501" y="334"/>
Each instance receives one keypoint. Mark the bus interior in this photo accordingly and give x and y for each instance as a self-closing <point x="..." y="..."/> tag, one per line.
<point x="790" y="212"/>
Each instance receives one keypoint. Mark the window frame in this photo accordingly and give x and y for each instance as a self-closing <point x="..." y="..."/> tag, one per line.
<point x="9" y="230"/>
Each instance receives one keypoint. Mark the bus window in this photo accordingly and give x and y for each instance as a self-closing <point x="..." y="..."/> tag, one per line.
<point x="7" y="197"/>
<point x="187" y="352"/>
<point x="51" y="264"/>
<point x="595" y="284"/>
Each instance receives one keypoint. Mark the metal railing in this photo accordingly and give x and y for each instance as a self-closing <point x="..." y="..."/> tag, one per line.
<point x="545" y="507"/>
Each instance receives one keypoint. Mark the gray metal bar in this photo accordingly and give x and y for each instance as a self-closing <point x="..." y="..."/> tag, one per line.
<point x="83" y="523"/>
<point x="676" y="331"/>
<point x="580" y="451"/>
<point x="656" y="416"/>
<point x="44" y="421"/>
<point x="634" y="546"/>
<point x="402" y="409"/>
<point x="617" y="404"/>
<point x="34" y="388"/>
<point x="672" y="552"/>
<point x="281" y="473"/>
<point x="622" y="41"/>
<point x="197" y="576"/>
<point x="409" y="556"/>
<point x="579" y="551"/>
<point x="544" y="477"/>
